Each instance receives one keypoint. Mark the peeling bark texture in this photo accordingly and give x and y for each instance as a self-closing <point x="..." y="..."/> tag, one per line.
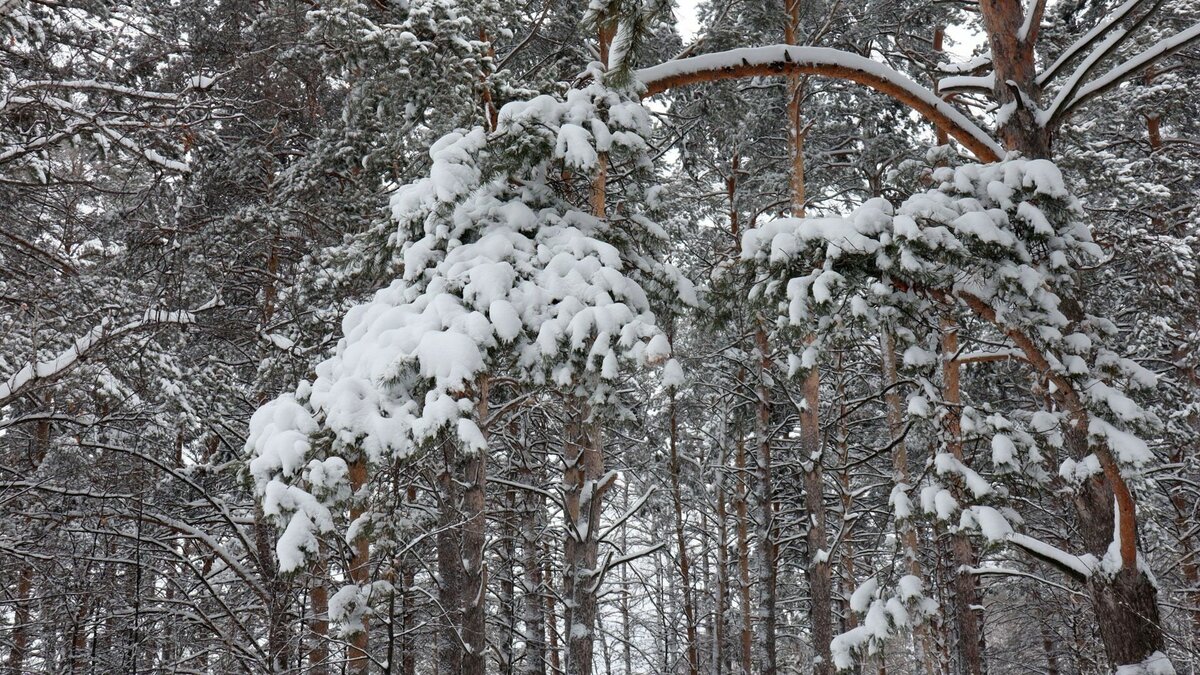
<point x="1131" y="629"/>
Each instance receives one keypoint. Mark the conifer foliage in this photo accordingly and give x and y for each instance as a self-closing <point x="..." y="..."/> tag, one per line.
<point x="381" y="336"/>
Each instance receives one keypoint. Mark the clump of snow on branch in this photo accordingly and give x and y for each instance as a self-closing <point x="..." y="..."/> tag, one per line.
<point x="999" y="241"/>
<point x="502" y="274"/>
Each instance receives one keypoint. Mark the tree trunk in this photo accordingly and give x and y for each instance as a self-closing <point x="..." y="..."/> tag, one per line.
<point x="767" y="570"/>
<point x="722" y="562"/>
<point x="408" y="573"/>
<point x="583" y="499"/>
<point x="846" y="496"/>
<point x="506" y="601"/>
<point x="359" y="570"/>
<point x="318" y="655"/>
<point x="21" y="620"/>
<point x="449" y="565"/>
<point x="474" y="572"/>
<point x="967" y="619"/>
<point x="819" y="573"/>
<point x="277" y="621"/>
<point x="531" y="527"/>
<point x="1016" y="75"/>
<point x="908" y="534"/>
<point x="743" y="542"/>
<point x="626" y="614"/>
<point x="689" y="610"/>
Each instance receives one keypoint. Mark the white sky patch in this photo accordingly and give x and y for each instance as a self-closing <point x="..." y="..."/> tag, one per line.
<point x="962" y="41"/>
<point x="687" y="18"/>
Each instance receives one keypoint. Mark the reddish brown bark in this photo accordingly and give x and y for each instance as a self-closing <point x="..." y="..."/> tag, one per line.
<point x="359" y="571"/>
<point x="1013" y="61"/>
<point x="318" y="655"/>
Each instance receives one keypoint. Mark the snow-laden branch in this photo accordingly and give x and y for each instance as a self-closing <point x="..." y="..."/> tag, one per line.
<point x="1033" y="20"/>
<point x="1088" y="39"/>
<point x="955" y="84"/>
<point x="784" y="59"/>
<point x="95" y="85"/>
<point x="85" y="119"/>
<point x="1073" y="565"/>
<point x="34" y="372"/>
<point x="1124" y="71"/>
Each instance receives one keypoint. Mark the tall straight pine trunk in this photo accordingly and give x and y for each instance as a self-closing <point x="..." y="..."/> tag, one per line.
<point x="684" y="563"/>
<point x="967" y="615"/>
<point x="820" y="577"/>
<point x="584" y="467"/>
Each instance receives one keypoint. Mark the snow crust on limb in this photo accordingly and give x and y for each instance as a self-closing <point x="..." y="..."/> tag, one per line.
<point x="817" y="58"/>
<point x="1156" y="664"/>
<point x="35" y="371"/>
<point x="502" y="275"/>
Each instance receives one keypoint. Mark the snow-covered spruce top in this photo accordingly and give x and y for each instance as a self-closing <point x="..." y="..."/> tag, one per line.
<point x="502" y="274"/>
<point x="1008" y="234"/>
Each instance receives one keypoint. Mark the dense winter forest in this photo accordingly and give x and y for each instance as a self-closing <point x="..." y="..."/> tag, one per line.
<point x="551" y="336"/>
